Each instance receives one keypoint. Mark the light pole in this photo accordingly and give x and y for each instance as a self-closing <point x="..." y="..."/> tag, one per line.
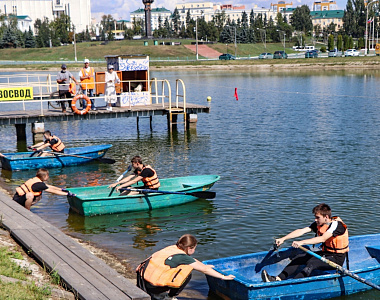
<point x="75" y="45"/>
<point x="366" y="27"/>
<point x="235" y="42"/>
<point x="264" y="40"/>
<point x="196" y="36"/>
<point x="284" y="34"/>
<point x="227" y="48"/>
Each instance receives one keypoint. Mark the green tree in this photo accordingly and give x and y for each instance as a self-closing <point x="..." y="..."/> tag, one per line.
<point x="43" y="32"/>
<point x="176" y="19"/>
<point x="349" y="23"/>
<point x="339" y="42"/>
<point x="9" y="39"/>
<point x="330" y="44"/>
<point x="30" y="41"/>
<point x="61" y="27"/>
<point x="301" y="19"/>
<point x="359" y="18"/>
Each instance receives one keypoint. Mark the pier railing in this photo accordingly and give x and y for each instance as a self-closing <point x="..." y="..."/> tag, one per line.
<point x="44" y="89"/>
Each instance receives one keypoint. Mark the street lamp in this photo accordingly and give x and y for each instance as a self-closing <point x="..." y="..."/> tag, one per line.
<point x="264" y="40"/>
<point x="283" y="32"/>
<point x="227" y="48"/>
<point x="75" y="45"/>
<point x="196" y="36"/>
<point x="366" y="26"/>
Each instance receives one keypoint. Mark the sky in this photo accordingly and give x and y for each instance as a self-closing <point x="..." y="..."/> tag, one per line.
<point x="120" y="9"/>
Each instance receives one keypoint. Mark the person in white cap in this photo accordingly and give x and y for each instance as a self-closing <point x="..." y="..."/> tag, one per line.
<point x="110" y="90"/>
<point x="87" y="79"/>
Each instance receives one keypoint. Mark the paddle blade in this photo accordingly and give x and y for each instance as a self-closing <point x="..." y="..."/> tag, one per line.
<point x="203" y="195"/>
<point x="107" y="160"/>
<point x="109" y="195"/>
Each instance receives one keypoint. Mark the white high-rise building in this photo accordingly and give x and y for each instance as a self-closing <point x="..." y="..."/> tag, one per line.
<point x="79" y="11"/>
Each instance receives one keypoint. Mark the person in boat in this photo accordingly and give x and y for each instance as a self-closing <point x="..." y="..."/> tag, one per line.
<point x="63" y="80"/>
<point x="167" y="272"/>
<point x="87" y="80"/>
<point x="144" y="173"/>
<point x="330" y="231"/>
<point x="51" y="141"/>
<point x="30" y="192"/>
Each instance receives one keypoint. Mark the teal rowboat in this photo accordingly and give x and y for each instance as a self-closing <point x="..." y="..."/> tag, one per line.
<point x="90" y="201"/>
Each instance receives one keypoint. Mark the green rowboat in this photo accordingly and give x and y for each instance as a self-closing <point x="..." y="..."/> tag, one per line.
<point x="90" y="201"/>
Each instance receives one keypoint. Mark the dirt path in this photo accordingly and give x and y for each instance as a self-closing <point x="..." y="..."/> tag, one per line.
<point x="204" y="51"/>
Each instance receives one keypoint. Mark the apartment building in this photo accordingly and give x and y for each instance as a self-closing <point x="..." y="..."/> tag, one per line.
<point x="79" y="11"/>
<point x="324" y="5"/>
<point x="156" y="13"/>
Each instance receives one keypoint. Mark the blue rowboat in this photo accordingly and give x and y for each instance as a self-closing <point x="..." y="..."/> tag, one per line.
<point x="23" y="161"/>
<point x="364" y="261"/>
<point x="90" y="201"/>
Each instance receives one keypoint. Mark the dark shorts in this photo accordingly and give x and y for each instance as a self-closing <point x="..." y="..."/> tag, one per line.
<point x="21" y="199"/>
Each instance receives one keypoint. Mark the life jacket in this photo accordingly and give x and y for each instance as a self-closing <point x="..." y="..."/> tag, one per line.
<point x="159" y="274"/>
<point x="337" y="244"/>
<point x="89" y="83"/>
<point x="27" y="187"/>
<point x="59" y="146"/>
<point x="150" y="182"/>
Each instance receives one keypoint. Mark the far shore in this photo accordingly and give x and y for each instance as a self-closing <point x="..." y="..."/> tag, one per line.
<point x="366" y="63"/>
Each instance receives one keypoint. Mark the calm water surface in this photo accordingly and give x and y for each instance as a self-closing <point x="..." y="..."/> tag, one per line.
<point x="292" y="140"/>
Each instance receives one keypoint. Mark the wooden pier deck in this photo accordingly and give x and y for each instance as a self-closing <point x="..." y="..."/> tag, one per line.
<point x="56" y="115"/>
<point x="87" y="276"/>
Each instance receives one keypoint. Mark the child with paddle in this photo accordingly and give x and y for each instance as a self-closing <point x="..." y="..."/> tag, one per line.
<point x="330" y="231"/>
<point x="144" y="173"/>
<point x="30" y="192"/>
<point x="51" y="141"/>
<point x="167" y="272"/>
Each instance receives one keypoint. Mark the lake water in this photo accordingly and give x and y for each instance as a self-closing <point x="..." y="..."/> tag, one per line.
<point x="291" y="141"/>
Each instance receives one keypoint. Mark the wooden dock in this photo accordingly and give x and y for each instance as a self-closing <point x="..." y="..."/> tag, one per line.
<point x="87" y="276"/>
<point x="56" y="115"/>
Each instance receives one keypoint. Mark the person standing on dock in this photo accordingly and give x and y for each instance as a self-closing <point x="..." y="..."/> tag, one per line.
<point x="167" y="272"/>
<point x="63" y="80"/>
<point x="51" y="141"/>
<point x="330" y="231"/>
<point x="87" y="80"/>
<point x="30" y="192"/>
<point x="142" y="172"/>
<point x="110" y="91"/>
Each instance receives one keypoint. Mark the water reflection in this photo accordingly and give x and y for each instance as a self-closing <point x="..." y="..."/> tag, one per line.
<point x="145" y="226"/>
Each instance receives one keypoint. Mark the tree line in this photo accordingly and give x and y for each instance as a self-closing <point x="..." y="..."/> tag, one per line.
<point x="247" y="29"/>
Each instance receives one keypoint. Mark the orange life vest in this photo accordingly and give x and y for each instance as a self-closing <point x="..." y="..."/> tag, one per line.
<point x="159" y="274"/>
<point x="337" y="244"/>
<point x="59" y="146"/>
<point x="88" y="83"/>
<point x="27" y="187"/>
<point x="150" y="182"/>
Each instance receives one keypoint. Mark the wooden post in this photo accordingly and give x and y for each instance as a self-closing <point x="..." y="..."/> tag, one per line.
<point x="150" y="122"/>
<point x="20" y="131"/>
<point x="137" y="122"/>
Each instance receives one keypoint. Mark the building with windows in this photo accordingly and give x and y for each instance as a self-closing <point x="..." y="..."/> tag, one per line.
<point x="324" y="5"/>
<point x="280" y="6"/>
<point x="325" y="18"/>
<point x="156" y="13"/>
<point x="79" y="11"/>
<point x="23" y="22"/>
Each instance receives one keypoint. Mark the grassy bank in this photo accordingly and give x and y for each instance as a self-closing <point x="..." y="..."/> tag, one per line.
<point x="167" y="56"/>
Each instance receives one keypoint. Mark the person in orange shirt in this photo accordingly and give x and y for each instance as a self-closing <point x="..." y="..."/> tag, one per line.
<point x="51" y="141"/>
<point x="87" y="79"/>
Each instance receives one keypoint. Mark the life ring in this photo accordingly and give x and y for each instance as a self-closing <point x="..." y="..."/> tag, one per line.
<point x="83" y="111"/>
<point x="377" y="47"/>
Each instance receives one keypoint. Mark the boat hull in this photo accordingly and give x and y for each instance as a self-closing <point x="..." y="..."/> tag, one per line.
<point x="23" y="161"/>
<point x="90" y="201"/>
<point x="364" y="258"/>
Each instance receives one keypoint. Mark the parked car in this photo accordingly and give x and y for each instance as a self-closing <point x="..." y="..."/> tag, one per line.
<point x="311" y="54"/>
<point x="266" y="55"/>
<point x="351" y="52"/>
<point x="226" y="56"/>
<point x="335" y="53"/>
<point x="280" y="54"/>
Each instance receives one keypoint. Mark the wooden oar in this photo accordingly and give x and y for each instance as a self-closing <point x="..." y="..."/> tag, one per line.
<point x="203" y="195"/>
<point x="120" y="177"/>
<point x="340" y="269"/>
<point x="101" y="159"/>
